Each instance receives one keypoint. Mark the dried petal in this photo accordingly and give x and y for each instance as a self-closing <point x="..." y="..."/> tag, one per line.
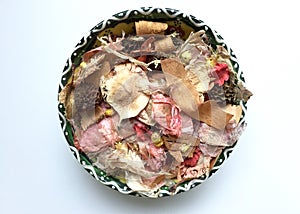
<point x="209" y="150"/>
<point x="182" y="91"/>
<point x="215" y="137"/>
<point x="187" y="126"/>
<point x="199" y="76"/>
<point x="174" y="70"/>
<point x="126" y="98"/>
<point x="221" y="72"/>
<point x="193" y="160"/>
<point x="99" y="136"/>
<point x="166" y="114"/>
<point x="177" y="155"/>
<point x="235" y="110"/>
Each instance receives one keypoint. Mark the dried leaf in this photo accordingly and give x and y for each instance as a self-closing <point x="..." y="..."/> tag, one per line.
<point x="198" y="76"/>
<point x="194" y="41"/>
<point x="185" y="144"/>
<point x="186" y="97"/>
<point x="215" y="159"/>
<point x="126" y="98"/>
<point x="176" y="155"/>
<point x="210" y="113"/>
<point x="174" y="70"/>
<point x="235" y="110"/>
<point x="182" y="91"/>
<point x="91" y="117"/>
<point x="146" y="115"/>
<point x="148" y="27"/>
<point x="244" y="93"/>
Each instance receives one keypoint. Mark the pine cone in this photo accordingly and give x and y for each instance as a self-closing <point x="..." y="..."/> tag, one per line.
<point x="87" y="96"/>
<point x="217" y="93"/>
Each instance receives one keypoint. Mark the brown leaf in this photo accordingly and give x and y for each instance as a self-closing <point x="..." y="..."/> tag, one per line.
<point x="176" y="155"/>
<point x="235" y="110"/>
<point x="148" y="27"/>
<point x="214" y="160"/>
<point x="245" y="93"/>
<point x="173" y="70"/>
<point x="210" y="113"/>
<point x="186" y="97"/>
<point x="182" y="91"/>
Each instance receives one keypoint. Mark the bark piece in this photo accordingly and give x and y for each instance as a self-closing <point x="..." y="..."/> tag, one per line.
<point x="148" y="27"/>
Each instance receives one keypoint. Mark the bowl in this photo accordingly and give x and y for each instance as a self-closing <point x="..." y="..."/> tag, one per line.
<point x="152" y="102"/>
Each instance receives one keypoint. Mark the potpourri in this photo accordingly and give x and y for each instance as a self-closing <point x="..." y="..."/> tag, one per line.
<point x="152" y="109"/>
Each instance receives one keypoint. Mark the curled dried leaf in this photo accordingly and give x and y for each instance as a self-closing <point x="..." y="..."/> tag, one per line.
<point x="148" y="27"/>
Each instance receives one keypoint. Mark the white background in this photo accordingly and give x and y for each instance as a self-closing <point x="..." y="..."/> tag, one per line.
<point x="40" y="175"/>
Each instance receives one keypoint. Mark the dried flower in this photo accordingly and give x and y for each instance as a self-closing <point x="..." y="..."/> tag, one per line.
<point x="221" y="72"/>
<point x="193" y="161"/>
<point x="99" y="136"/>
<point x="166" y="114"/>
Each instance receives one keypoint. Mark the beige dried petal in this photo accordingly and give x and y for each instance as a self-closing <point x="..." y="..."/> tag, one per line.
<point x="174" y="70"/>
<point x="148" y="27"/>
<point x="235" y="110"/>
<point x="164" y="45"/>
<point x="186" y="97"/>
<point x="135" y="182"/>
<point x="124" y="90"/>
<point x="199" y="77"/>
<point x="176" y="155"/>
